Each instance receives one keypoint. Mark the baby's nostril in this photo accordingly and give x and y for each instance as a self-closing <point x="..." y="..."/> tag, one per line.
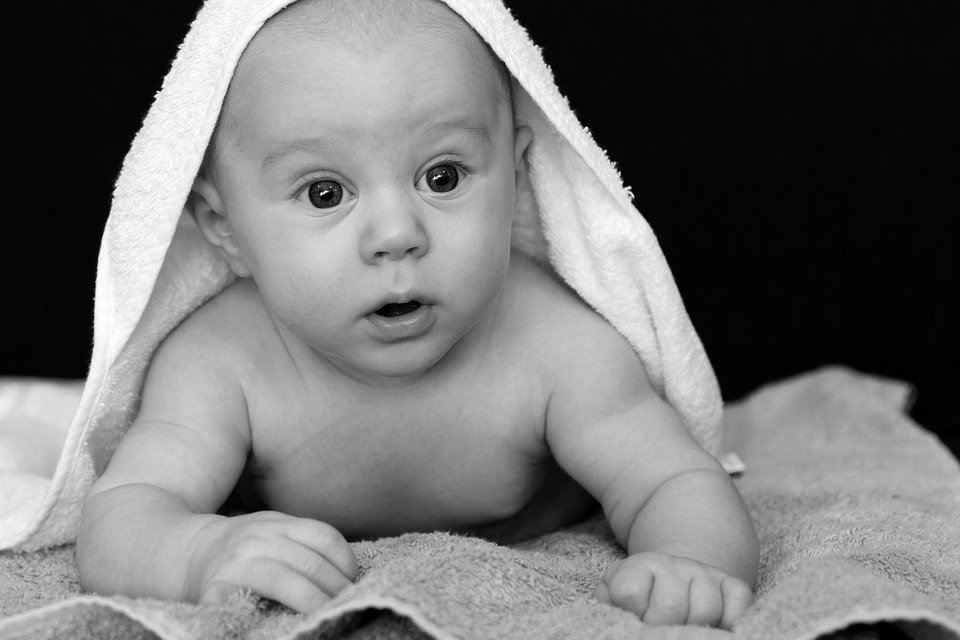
<point x="399" y="253"/>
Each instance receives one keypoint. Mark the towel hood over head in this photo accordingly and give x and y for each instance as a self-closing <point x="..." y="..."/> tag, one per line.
<point x="154" y="268"/>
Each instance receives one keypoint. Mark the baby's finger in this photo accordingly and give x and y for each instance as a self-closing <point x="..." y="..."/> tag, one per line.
<point x="271" y="579"/>
<point x="218" y="592"/>
<point x="602" y="593"/>
<point x="629" y="585"/>
<point x="669" y="600"/>
<point x="706" y="602"/>
<point x="318" y="569"/>
<point x="737" y="598"/>
<point x="325" y="540"/>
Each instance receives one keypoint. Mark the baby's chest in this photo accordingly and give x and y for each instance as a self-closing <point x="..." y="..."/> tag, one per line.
<point x="384" y="468"/>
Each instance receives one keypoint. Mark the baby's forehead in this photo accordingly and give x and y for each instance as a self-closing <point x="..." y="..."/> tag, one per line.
<point x="364" y="28"/>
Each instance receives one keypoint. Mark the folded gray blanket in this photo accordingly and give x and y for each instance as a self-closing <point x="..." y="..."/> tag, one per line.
<point x="857" y="508"/>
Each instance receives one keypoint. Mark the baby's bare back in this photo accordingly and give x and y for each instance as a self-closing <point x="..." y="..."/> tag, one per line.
<point x="464" y="449"/>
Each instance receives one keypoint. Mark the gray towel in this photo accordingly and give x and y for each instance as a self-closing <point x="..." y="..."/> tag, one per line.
<point x="857" y="508"/>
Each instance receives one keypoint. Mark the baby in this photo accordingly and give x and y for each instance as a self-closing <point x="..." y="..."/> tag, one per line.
<point x="384" y="363"/>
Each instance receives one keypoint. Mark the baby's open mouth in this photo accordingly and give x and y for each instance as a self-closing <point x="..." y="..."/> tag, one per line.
<point x="394" y="309"/>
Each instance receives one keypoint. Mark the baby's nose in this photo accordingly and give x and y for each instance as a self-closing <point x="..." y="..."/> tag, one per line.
<point x="394" y="233"/>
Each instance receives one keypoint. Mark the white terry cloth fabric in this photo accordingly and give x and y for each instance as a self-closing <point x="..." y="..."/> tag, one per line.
<point x="154" y="269"/>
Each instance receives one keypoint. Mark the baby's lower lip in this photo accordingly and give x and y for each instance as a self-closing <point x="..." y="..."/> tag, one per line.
<point x="402" y="322"/>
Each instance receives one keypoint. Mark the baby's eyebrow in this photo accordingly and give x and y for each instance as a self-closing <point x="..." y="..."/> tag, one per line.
<point x="305" y="145"/>
<point x="474" y="127"/>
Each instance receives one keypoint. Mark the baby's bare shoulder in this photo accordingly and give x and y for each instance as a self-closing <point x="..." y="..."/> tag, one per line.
<point x="232" y="319"/>
<point x="199" y="375"/>
<point x="225" y="334"/>
<point x="545" y="312"/>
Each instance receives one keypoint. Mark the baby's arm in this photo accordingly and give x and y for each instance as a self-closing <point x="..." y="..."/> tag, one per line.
<point x="149" y="526"/>
<point x="692" y="549"/>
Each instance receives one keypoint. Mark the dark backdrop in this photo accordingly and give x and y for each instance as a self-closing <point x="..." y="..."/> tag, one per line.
<point x="798" y="161"/>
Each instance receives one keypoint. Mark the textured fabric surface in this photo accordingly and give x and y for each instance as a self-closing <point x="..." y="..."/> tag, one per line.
<point x="857" y="508"/>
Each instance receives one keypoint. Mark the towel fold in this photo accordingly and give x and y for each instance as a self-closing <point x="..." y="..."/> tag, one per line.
<point x="857" y="508"/>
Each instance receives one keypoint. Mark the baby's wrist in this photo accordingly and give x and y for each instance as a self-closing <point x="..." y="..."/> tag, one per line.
<point x="193" y="541"/>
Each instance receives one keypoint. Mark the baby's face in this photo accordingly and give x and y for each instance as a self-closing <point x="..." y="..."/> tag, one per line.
<point x="370" y="195"/>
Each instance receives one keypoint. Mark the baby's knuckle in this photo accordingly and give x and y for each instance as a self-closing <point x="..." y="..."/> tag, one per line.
<point x="224" y="556"/>
<point x="690" y="569"/>
<point x="246" y="548"/>
<point x="313" y="567"/>
<point x="258" y="524"/>
<point x="238" y="533"/>
<point x="266" y="516"/>
<point x="661" y="561"/>
<point x="327" y="536"/>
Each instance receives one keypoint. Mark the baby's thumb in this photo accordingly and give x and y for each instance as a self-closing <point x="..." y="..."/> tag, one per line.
<point x="217" y="592"/>
<point x="601" y="593"/>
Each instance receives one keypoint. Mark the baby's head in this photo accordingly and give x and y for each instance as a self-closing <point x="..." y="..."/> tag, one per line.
<point x="366" y="157"/>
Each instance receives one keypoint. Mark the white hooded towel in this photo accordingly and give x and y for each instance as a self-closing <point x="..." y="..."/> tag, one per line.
<point x="154" y="268"/>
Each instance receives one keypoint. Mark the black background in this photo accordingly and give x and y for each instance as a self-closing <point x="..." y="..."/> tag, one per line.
<point x="798" y="161"/>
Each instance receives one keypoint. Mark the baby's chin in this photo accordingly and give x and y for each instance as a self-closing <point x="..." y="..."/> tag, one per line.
<point x="393" y="365"/>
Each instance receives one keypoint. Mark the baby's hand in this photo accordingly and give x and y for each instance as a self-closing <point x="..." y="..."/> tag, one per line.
<point x="665" y="589"/>
<point x="298" y="562"/>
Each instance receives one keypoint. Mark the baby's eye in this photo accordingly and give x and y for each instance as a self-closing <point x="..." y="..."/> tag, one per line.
<point x="324" y="194"/>
<point x="442" y="178"/>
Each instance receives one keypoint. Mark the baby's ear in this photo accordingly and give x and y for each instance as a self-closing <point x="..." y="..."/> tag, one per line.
<point x="211" y="217"/>
<point x="522" y="137"/>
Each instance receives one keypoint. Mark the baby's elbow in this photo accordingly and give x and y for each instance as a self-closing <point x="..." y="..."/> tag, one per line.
<point x="102" y="537"/>
<point x="90" y="545"/>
